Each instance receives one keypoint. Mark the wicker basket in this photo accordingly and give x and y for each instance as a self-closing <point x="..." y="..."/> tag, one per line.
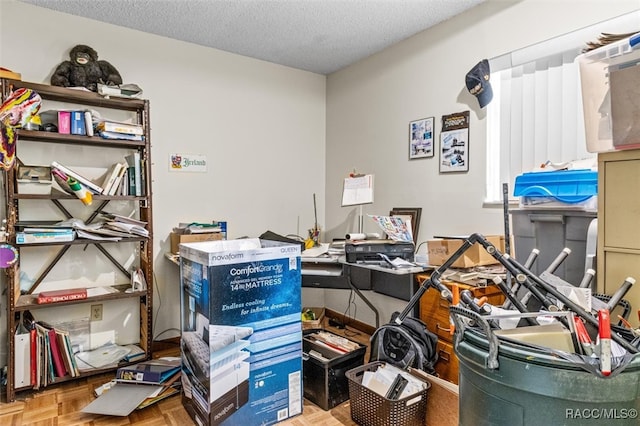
<point x="369" y="408"/>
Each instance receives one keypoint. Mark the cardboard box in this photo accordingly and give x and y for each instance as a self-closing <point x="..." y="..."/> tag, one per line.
<point x="441" y="250"/>
<point x="177" y="239"/>
<point x="6" y="73"/>
<point x="316" y="323"/>
<point x="241" y="331"/>
<point x="34" y="179"/>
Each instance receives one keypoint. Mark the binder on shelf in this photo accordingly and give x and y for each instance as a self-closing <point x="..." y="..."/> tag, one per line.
<point x="22" y="359"/>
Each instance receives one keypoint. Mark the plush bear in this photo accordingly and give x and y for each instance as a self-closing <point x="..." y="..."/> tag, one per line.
<point x="85" y="70"/>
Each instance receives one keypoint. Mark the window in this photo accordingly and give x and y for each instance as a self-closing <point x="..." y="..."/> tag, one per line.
<point x="535" y="117"/>
<point x="536" y="112"/>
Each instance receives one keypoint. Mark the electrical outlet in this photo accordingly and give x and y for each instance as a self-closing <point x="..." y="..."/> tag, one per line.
<point x="96" y="312"/>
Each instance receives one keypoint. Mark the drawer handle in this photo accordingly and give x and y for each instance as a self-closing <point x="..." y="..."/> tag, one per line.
<point x="443" y="355"/>
<point x="448" y="330"/>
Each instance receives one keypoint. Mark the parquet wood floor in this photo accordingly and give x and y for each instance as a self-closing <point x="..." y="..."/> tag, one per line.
<point x="61" y="404"/>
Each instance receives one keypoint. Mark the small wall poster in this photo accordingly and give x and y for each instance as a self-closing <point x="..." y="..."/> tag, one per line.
<point x="421" y="138"/>
<point x="454" y="143"/>
<point x="187" y="163"/>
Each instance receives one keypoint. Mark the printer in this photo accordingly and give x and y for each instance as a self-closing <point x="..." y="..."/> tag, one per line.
<point x="362" y="251"/>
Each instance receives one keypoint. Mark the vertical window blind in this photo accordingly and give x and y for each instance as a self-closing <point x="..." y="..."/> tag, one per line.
<point x="536" y="113"/>
<point x="535" y="116"/>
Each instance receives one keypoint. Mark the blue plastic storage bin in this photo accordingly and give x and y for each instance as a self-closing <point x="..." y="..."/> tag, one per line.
<point x="567" y="186"/>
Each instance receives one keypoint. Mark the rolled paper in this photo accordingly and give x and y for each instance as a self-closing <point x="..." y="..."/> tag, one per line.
<point x="362" y="236"/>
<point x="356" y="236"/>
<point x="80" y="191"/>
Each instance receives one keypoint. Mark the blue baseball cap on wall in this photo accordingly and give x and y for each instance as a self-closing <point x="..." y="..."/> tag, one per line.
<point x="478" y="82"/>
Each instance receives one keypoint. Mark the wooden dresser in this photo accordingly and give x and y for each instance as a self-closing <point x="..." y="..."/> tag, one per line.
<point x="434" y="311"/>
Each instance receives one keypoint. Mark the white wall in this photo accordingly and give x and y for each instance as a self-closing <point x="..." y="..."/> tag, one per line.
<point x="261" y="127"/>
<point x="370" y="105"/>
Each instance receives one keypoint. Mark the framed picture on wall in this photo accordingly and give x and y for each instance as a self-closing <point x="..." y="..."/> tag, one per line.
<point x="421" y="138"/>
<point x="411" y="214"/>
<point x="454" y="143"/>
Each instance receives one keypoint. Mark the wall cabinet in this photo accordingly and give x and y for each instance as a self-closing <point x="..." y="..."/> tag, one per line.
<point x="618" y="254"/>
<point x="83" y="262"/>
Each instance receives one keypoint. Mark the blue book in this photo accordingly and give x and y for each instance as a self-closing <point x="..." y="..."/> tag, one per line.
<point x="78" y="126"/>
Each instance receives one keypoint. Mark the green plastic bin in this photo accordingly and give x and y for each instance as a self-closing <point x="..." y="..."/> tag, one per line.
<point x="506" y="383"/>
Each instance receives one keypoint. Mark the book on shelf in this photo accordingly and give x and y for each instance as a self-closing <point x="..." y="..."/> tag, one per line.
<point x="135" y="174"/>
<point x="88" y="123"/>
<point x="56" y="354"/>
<point x="136" y="353"/>
<point x="44" y="367"/>
<point x="51" y="355"/>
<point x="60" y="336"/>
<point x="92" y="186"/>
<point x="125" y="219"/>
<point x="75" y="372"/>
<point x="64" y="295"/>
<point x="129" y="90"/>
<point x="114" y="190"/>
<point x="46" y="237"/>
<point x="111" y="176"/>
<point x="52" y="229"/>
<point x="78" y="126"/>
<point x="120" y="127"/>
<point x="33" y="334"/>
<point x="128" y="228"/>
<point x="123" y="136"/>
<point x="155" y="371"/>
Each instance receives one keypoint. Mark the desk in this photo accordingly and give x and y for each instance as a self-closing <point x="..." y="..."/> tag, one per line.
<point x="335" y="273"/>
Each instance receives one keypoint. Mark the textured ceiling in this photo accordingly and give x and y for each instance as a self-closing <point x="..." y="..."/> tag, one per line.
<point x="320" y="36"/>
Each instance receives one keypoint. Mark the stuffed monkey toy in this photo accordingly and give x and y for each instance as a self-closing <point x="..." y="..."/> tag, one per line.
<point x="85" y="70"/>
